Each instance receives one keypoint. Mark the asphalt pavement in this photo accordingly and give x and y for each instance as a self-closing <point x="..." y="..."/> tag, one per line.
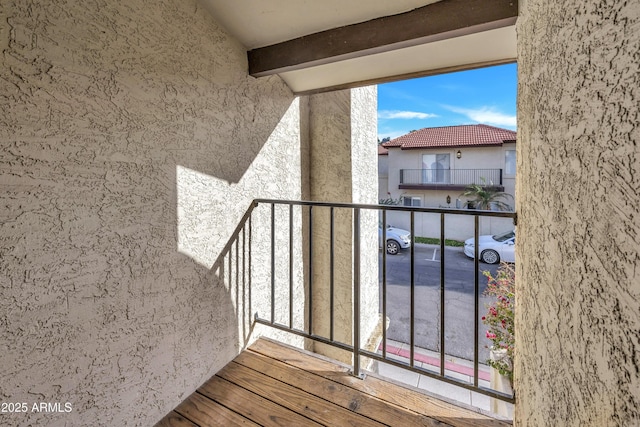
<point x="458" y="306"/>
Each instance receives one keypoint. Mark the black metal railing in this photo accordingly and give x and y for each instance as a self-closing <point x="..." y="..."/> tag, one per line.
<point x="459" y="177"/>
<point x="281" y="212"/>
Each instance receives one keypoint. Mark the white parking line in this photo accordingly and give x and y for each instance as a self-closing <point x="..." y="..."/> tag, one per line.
<point x="434" y="256"/>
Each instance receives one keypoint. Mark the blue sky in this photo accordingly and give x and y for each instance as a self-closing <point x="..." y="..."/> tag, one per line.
<point x="485" y="95"/>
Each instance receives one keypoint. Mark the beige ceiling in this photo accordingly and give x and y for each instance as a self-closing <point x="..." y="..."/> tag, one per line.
<point x="488" y="47"/>
<point x="259" y="23"/>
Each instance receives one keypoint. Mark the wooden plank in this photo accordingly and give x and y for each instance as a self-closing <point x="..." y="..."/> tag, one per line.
<point x="334" y="392"/>
<point x="173" y="419"/>
<point x="438" y="21"/>
<point x="206" y="412"/>
<point x="251" y="406"/>
<point x="404" y="397"/>
<point x="296" y="399"/>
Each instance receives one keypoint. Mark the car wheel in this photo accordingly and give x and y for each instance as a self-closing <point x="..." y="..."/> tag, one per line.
<point x="392" y="247"/>
<point x="490" y="256"/>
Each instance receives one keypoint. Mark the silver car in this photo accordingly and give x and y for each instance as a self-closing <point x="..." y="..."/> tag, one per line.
<point x="493" y="249"/>
<point x="396" y="239"/>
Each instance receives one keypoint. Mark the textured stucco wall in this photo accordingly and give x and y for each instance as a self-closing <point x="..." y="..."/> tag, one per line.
<point x="132" y="141"/>
<point x="364" y="130"/>
<point x="330" y="169"/>
<point x="343" y="168"/>
<point x="578" y="278"/>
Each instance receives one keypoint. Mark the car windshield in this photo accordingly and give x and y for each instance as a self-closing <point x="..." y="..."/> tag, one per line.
<point x="504" y="236"/>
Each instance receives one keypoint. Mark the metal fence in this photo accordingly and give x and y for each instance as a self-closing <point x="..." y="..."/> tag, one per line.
<point x="307" y="210"/>
<point x="450" y="176"/>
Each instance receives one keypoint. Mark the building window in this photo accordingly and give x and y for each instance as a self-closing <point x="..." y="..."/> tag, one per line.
<point x="510" y="162"/>
<point x="411" y="201"/>
<point x="435" y="168"/>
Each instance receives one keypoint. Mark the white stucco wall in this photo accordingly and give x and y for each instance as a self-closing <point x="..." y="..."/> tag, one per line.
<point x="578" y="277"/>
<point x="132" y="141"/>
<point x="364" y="128"/>
<point x="343" y="168"/>
<point x="383" y="177"/>
<point x="457" y="227"/>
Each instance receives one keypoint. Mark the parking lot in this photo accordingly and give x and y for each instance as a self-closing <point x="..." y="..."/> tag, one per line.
<point x="459" y="299"/>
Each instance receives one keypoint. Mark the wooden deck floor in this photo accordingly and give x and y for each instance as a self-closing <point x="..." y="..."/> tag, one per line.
<point x="272" y="384"/>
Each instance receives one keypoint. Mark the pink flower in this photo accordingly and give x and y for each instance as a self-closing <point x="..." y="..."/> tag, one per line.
<point x="490" y="335"/>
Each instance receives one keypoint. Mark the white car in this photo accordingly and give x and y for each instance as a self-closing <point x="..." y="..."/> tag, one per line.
<point x="493" y="249"/>
<point x="396" y="238"/>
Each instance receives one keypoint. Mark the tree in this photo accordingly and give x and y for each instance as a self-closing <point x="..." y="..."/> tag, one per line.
<point x="483" y="197"/>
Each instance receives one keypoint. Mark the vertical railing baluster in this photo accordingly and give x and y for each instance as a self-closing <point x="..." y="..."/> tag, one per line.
<point x="384" y="283"/>
<point x="356" y="293"/>
<point x="238" y="271"/>
<point x="413" y="292"/>
<point x="442" y="277"/>
<point x="249" y="266"/>
<point x="230" y="266"/>
<point x="310" y="270"/>
<point x="476" y="299"/>
<point x="273" y="262"/>
<point x="331" y="270"/>
<point x="291" y="265"/>
<point x="244" y="282"/>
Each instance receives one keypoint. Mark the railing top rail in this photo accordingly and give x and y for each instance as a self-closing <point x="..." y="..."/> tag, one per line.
<point x="471" y="212"/>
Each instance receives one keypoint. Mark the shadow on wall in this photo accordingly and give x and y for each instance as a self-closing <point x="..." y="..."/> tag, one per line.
<point x="125" y="149"/>
<point x="227" y="297"/>
<point x="215" y="183"/>
<point x="209" y="271"/>
<point x="232" y="128"/>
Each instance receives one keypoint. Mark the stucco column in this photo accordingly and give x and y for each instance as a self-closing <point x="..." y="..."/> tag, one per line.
<point x="343" y="168"/>
<point x="578" y="281"/>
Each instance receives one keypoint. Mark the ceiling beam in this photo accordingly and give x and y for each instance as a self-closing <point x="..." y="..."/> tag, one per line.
<point x="438" y="21"/>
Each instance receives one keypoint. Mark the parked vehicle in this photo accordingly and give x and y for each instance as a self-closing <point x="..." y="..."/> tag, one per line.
<point x="493" y="249"/>
<point x="396" y="239"/>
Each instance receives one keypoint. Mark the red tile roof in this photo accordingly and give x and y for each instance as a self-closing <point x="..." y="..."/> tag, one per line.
<point x="382" y="151"/>
<point x="453" y="136"/>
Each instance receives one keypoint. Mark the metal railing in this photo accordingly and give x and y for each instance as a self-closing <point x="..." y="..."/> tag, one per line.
<point x="450" y="176"/>
<point x="306" y="231"/>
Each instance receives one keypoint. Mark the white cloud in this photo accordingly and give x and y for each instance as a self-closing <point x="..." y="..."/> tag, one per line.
<point x="485" y="115"/>
<point x="394" y="131"/>
<point x="395" y="114"/>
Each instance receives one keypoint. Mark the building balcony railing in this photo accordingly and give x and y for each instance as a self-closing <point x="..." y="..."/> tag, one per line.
<point x="291" y="242"/>
<point x="449" y="179"/>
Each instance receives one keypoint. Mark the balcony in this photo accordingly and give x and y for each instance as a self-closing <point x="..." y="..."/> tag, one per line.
<point x="449" y="179"/>
<point x="322" y="287"/>
<point x="272" y="384"/>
